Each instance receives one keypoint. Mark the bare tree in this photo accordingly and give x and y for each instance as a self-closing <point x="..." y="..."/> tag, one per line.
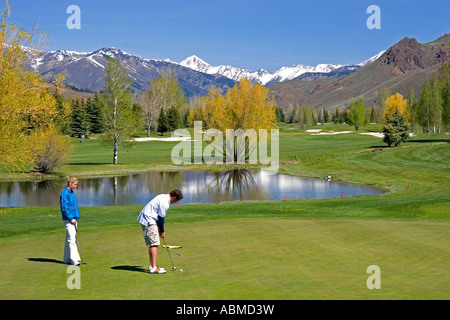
<point x="164" y="93"/>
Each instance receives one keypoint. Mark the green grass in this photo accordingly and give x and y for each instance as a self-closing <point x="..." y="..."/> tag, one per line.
<point x="299" y="249"/>
<point x="236" y="258"/>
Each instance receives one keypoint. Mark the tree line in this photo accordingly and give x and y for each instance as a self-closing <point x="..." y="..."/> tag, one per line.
<point x="307" y="117"/>
<point x="428" y="111"/>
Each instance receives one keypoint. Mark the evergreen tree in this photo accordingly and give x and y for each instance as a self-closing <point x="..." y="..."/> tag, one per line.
<point x="280" y="115"/>
<point x="162" y="122"/>
<point x="326" y="116"/>
<point x="173" y="119"/>
<point x="395" y="129"/>
<point x="79" y="125"/>
<point x="94" y="115"/>
<point x="335" y="116"/>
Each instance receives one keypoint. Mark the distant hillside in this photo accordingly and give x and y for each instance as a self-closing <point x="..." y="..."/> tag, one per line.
<point x="407" y="63"/>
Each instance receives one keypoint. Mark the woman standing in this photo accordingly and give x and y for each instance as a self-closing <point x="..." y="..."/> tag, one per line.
<point x="70" y="215"/>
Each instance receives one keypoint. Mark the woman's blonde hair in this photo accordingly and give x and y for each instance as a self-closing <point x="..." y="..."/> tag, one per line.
<point x="71" y="180"/>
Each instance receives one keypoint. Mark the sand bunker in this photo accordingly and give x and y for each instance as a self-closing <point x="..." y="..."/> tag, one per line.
<point x="330" y="133"/>
<point x="381" y="135"/>
<point x="164" y="139"/>
<point x="375" y="134"/>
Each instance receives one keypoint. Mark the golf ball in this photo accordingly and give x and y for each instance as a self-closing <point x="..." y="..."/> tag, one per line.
<point x="181" y="270"/>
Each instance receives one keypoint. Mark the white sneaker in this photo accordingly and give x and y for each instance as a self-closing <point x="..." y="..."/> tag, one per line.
<point x="157" y="270"/>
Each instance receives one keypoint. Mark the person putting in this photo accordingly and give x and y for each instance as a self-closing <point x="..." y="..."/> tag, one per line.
<point x="152" y="219"/>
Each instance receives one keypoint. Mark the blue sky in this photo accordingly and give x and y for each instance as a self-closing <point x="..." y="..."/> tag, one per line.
<point x="253" y="34"/>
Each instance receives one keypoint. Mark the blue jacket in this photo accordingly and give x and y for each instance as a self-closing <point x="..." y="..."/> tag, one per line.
<point x="69" y="205"/>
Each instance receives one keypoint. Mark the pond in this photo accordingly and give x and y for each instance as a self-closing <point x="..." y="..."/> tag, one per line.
<point x="197" y="187"/>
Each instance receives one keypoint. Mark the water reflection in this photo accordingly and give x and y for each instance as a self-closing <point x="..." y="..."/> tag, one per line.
<point x="197" y="187"/>
<point x="237" y="184"/>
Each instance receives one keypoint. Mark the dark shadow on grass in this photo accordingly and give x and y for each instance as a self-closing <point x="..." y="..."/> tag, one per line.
<point x="45" y="260"/>
<point x="130" y="268"/>
<point x="428" y="140"/>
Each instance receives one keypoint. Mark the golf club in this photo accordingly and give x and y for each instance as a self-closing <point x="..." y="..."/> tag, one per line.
<point x="78" y="245"/>
<point x="165" y="245"/>
<point x="179" y="254"/>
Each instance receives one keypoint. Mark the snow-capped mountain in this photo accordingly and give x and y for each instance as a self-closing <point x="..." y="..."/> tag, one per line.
<point x="370" y="60"/>
<point x="264" y="77"/>
<point x="84" y="70"/>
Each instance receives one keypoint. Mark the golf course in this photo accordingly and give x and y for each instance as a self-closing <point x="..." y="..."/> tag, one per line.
<point x="294" y="249"/>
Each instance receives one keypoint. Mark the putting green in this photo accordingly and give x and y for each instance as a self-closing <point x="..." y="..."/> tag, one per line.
<point x="262" y="258"/>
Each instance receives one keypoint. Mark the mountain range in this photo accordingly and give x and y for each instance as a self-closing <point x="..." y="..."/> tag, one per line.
<point x="265" y="78"/>
<point x="406" y="64"/>
<point x="84" y="70"/>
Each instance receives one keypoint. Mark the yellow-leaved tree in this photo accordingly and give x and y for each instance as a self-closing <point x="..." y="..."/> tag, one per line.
<point x="27" y="107"/>
<point x="245" y="106"/>
<point x="396" y="104"/>
<point x="395" y="128"/>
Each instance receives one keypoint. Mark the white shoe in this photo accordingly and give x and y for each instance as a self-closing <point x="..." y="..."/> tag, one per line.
<point x="157" y="270"/>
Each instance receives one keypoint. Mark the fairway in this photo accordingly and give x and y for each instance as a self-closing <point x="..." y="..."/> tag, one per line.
<point x="244" y="259"/>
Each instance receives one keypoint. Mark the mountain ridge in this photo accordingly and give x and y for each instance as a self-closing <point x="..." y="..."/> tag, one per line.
<point x="406" y="64"/>
<point x="264" y="77"/>
<point x="84" y="70"/>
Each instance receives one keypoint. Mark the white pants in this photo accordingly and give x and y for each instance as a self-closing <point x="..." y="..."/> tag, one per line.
<point x="71" y="255"/>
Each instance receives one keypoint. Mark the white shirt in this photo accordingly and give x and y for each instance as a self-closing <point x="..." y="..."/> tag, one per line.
<point x="158" y="206"/>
